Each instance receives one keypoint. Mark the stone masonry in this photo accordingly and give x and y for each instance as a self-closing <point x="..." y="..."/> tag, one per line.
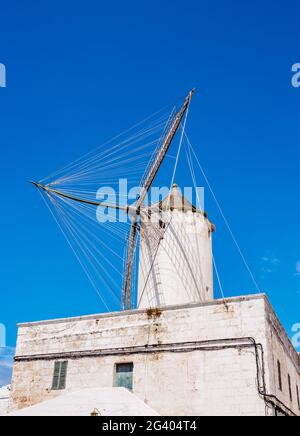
<point x="205" y="359"/>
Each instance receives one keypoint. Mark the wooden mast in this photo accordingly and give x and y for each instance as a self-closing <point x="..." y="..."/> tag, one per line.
<point x="145" y="188"/>
<point x="128" y="209"/>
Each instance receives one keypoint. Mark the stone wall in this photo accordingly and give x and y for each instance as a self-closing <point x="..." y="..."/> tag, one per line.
<point x="4" y="397"/>
<point x="281" y="350"/>
<point x="188" y="360"/>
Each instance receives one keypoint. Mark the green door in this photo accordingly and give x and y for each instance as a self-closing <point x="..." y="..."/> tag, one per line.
<point x="124" y="376"/>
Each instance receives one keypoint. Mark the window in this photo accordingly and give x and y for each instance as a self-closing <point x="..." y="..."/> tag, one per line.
<point x="124" y="376"/>
<point x="59" y="376"/>
<point x="279" y="376"/>
<point x="162" y="224"/>
<point x="290" y="388"/>
<point x="298" y="399"/>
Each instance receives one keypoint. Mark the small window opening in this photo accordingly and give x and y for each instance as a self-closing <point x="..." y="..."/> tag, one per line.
<point x="279" y="375"/>
<point x="59" y="376"/>
<point x="124" y="376"/>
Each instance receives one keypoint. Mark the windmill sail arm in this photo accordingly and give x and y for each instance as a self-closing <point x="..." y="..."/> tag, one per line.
<point x="164" y="149"/>
<point x="130" y="210"/>
<point x="146" y="186"/>
<point x="129" y="266"/>
<point x="136" y="210"/>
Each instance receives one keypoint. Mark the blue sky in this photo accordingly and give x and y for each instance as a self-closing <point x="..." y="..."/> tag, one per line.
<point x="80" y="72"/>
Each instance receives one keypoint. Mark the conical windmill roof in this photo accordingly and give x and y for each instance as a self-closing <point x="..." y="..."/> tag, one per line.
<point x="176" y="201"/>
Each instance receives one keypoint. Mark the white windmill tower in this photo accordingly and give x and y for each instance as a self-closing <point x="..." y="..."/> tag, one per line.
<point x="175" y="262"/>
<point x="175" y="253"/>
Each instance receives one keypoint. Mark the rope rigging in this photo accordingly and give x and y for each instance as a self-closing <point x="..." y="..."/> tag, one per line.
<point x="70" y="195"/>
<point x="83" y="194"/>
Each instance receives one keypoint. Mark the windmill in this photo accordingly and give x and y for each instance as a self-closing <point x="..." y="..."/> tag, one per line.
<point x="135" y="210"/>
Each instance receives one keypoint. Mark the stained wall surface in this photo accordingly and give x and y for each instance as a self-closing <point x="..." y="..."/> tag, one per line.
<point x="188" y="360"/>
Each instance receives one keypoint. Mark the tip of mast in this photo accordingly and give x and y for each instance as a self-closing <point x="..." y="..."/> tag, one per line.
<point x="191" y="93"/>
<point x="36" y="184"/>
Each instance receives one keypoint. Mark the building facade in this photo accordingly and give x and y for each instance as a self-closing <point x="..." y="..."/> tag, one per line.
<point x="4" y="398"/>
<point x="206" y="359"/>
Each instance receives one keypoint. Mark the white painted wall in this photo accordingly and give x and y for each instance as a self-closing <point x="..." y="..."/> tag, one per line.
<point x="4" y="397"/>
<point x="280" y="349"/>
<point x="105" y="401"/>
<point x="221" y="381"/>
<point x="179" y="268"/>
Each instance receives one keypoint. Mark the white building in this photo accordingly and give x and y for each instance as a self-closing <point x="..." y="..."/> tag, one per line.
<point x="85" y="402"/>
<point x="181" y="352"/>
<point x="4" y="398"/>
